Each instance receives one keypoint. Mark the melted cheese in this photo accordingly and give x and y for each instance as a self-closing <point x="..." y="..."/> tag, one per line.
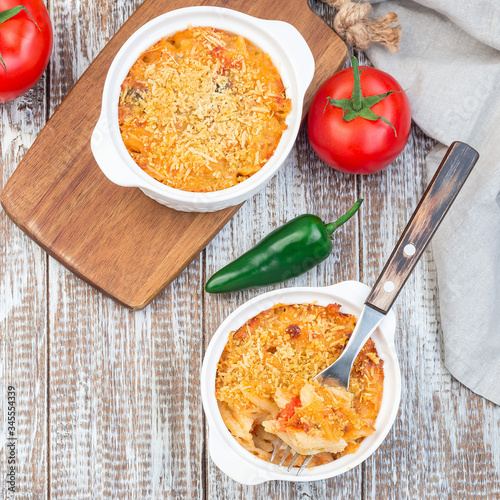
<point x="202" y="110"/>
<point x="266" y="374"/>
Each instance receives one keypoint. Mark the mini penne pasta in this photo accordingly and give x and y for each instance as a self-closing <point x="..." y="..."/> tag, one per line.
<point x="266" y="389"/>
<point x="202" y="110"/>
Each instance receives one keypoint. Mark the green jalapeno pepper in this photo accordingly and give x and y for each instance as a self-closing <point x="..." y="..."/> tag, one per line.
<point x="287" y="252"/>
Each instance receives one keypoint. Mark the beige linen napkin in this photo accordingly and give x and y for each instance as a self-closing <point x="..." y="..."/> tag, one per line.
<point x="449" y="60"/>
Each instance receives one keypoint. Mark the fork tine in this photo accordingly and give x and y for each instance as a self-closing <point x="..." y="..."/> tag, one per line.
<point x="304" y="464"/>
<point x="277" y="446"/>
<point x="292" y="463"/>
<point x="288" y="449"/>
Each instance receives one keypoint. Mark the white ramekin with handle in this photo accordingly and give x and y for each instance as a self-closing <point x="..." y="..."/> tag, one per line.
<point x="281" y="41"/>
<point x="243" y="466"/>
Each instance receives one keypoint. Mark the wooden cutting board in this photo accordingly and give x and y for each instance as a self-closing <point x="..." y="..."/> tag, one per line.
<point x="117" y="239"/>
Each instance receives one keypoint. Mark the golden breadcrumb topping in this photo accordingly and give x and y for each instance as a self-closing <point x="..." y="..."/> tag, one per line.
<point x="266" y="390"/>
<point x="202" y="110"/>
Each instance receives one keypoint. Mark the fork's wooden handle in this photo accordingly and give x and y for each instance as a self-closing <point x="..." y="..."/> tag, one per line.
<point x="437" y="199"/>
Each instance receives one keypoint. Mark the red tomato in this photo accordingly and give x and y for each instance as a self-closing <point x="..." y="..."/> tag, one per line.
<point x="288" y="411"/>
<point x="360" y="146"/>
<point x="25" y="47"/>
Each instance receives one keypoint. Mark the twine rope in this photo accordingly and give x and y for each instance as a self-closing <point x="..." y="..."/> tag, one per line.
<point x="353" y="24"/>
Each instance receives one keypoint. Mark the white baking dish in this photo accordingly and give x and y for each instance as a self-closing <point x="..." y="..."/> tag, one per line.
<point x="281" y="41"/>
<point x="241" y="465"/>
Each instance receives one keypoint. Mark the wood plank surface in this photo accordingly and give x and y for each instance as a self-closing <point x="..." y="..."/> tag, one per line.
<point x="62" y="200"/>
<point x="108" y="403"/>
<point x="118" y="379"/>
<point x="23" y="321"/>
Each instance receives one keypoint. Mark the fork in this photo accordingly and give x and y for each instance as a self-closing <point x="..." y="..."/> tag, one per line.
<point x="431" y="210"/>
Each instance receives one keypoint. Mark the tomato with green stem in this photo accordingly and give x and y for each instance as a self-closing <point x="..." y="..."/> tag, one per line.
<point x="359" y="120"/>
<point x="25" y="45"/>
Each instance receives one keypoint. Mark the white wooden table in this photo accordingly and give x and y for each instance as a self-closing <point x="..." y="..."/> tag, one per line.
<point x="107" y="400"/>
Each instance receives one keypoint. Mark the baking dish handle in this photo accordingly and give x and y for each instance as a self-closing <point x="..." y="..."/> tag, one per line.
<point x="231" y="464"/>
<point x="108" y="158"/>
<point x="356" y="293"/>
